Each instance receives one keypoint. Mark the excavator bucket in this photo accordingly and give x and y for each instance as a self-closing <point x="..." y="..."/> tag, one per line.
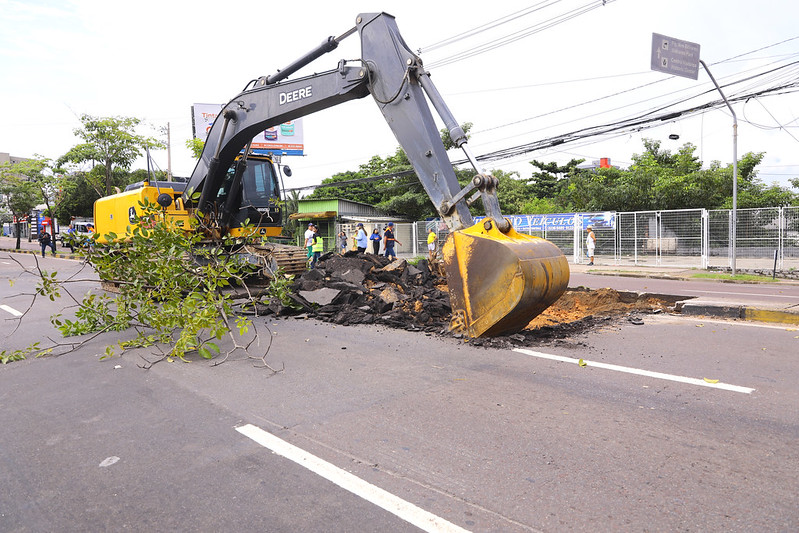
<point x="498" y="282"/>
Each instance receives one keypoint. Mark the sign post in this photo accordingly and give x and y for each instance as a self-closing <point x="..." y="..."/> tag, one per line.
<point x="672" y="56"/>
<point x="681" y="58"/>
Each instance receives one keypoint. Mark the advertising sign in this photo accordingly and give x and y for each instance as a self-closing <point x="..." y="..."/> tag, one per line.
<point x="202" y="118"/>
<point x="561" y="222"/>
<point x="285" y="139"/>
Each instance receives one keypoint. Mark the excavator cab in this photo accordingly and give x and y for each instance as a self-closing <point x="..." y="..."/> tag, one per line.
<point x="256" y="200"/>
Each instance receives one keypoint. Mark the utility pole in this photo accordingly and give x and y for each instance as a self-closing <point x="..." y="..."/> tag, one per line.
<point x="734" y="221"/>
<point x="681" y="58"/>
<point x="168" y="152"/>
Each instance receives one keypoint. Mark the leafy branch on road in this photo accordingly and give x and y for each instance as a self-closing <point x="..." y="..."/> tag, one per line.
<point x="176" y="293"/>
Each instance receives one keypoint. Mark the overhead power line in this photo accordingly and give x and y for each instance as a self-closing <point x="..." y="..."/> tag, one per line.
<point x="488" y="26"/>
<point x="637" y="124"/>
<point x="520" y="34"/>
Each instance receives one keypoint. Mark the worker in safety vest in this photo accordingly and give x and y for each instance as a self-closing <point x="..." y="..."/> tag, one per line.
<point x="318" y="247"/>
<point x="431" y="245"/>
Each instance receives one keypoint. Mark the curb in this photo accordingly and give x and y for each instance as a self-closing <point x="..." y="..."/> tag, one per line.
<point x="740" y="312"/>
<point x="35" y="252"/>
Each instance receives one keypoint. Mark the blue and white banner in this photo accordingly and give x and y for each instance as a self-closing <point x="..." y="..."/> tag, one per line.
<point x="561" y="222"/>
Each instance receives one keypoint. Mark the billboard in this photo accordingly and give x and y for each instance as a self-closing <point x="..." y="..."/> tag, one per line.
<point x="285" y="139"/>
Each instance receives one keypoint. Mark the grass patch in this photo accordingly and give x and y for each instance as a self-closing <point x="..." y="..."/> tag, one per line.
<point x="737" y="277"/>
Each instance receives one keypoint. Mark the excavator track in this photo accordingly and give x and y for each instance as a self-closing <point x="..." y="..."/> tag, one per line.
<point x="274" y="256"/>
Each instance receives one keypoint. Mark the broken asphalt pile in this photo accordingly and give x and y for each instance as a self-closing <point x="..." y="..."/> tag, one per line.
<point x="369" y="289"/>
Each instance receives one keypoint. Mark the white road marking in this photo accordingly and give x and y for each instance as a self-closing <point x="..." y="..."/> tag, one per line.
<point x="638" y="371"/>
<point x="406" y="511"/>
<point x="10" y="310"/>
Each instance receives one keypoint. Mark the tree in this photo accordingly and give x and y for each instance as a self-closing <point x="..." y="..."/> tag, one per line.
<point x="53" y="186"/>
<point x="172" y="291"/>
<point x="291" y="204"/>
<point x="658" y="180"/>
<point x="111" y="141"/>
<point x="196" y="146"/>
<point x="17" y="194"/>
<point x="551" y="179"/>
<point x="78" y="200"/>
<point x="400" y="193"/>
<point x="512" y="192"/>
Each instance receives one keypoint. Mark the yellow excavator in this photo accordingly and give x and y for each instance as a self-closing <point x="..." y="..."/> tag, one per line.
<point x="498" y="279"/>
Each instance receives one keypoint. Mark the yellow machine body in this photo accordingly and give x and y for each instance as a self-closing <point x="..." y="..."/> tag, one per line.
<point x="116" y="213"/>
<point x="498" y="282"/>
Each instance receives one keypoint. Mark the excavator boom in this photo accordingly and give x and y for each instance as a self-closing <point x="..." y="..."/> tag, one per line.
<point x="498" y="279"/>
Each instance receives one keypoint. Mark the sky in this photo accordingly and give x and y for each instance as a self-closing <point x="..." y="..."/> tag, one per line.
<point x="552" y="67"/>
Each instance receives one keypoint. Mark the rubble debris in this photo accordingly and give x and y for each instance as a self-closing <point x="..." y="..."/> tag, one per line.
<point x="361" y="288"/>
<point x="374" y="289"/>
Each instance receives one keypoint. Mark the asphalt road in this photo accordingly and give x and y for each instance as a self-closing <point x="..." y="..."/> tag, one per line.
<point x="439" y="432"/>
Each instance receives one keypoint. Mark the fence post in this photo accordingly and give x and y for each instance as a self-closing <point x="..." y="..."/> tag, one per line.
<point x="781" y="224"/>
<point x="704" y="245"/>
<point x="730" y="238"/>
<point x="658" y="237"/>
<point x="578" y="245"/>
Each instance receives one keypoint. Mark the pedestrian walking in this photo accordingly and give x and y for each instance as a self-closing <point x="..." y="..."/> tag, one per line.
<point x="342" y="241"/>
<point x="389" y="239"/>
<point x="309" y="234"/>
<point x="46" y="241"/>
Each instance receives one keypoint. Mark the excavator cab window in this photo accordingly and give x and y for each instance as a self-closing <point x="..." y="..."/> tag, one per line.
<point x="260" y="183"/>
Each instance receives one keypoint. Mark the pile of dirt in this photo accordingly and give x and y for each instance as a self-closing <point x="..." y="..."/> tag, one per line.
<point x="369" y="289"/>
<point x="577" y="304"/>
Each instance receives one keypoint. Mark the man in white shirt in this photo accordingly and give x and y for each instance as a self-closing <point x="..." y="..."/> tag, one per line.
<point x="309" y="233"/>
<point x="590" y="244"/>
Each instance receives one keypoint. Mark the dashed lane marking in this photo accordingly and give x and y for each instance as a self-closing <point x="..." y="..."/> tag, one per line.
<point x="10" y="310"/>
<point x="640" y="372"/>
<point x="395" y="505"/>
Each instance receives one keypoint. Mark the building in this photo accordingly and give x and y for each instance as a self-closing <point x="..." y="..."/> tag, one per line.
<point x="603" y="162"/>
<point x="334" y="214"/>
<point x="7" y="158"/>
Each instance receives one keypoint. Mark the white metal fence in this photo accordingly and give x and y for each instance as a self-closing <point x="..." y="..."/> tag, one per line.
<point x="698" y="238"/>
<point x="688" y="238"/>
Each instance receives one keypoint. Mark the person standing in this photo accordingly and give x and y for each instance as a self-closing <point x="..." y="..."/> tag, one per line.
<point x="318" y="247"/>
<point x="389" y="240"/>
<point x="375" y="238"/>
<point x="46" y="241"/>
<point x="309" y="234"/>
<point x="431" y="245"/>
<point x="361" y="240"/>
<point x="342" y="241"/>
<point x="590" y="244"/>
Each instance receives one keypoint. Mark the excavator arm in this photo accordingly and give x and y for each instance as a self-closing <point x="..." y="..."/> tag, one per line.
<point x="498" y="279"/>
